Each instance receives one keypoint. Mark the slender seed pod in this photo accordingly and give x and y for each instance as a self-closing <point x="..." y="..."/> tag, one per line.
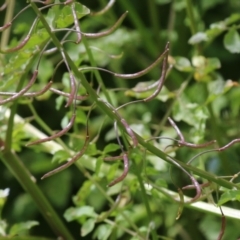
<point x="131" y="75"/>
<point x="56" y="135"/>
<point x="107" y="32"/>
<point x="74" y="158"/>
<point x="5" y="26"/>
<point x="162" y="78"/>
<point x="76" y="23"/>
<point x="32" y="94"/>
<point x="105" y="9"/>
<point x="24" y="41"/>
<point x="24" y="90"/>
<point x="67" y="94"/>
<point x="125" y="171"/>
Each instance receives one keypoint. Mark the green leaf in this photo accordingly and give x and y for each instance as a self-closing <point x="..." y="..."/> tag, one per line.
<point x="87" y="227"/>
<point x="232" y="41"/>
<point x="161" y="183"/>
<point x="183" y="64"/>
<point x="198" y="37"/>
<point x="103" y="232"/>
<point x="65" y="18"/>
<point x="78" y="212"/>
<point x="60" y="156"/>
<point x="22" y="227"/>
<point x="231" y="195"/>
<point x="112" y="147"/>
<point x="232" y="19"/>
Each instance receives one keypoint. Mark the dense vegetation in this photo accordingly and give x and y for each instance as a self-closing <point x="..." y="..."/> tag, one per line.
<point x="137" y="106"/>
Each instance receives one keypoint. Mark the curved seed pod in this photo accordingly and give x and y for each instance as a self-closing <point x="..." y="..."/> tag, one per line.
<point x="72" y="81"/>
<point x="182" y="140"/>
<point x="229" y="144"/>
<point x="107" y="32"/>
<point x="76" y="23"/>
<point x="140" y="89"/>
<point x="194" y="181"/>
<point x="56" y="135"/>
<point x="162" y="78"/>
<point x="67" y="94"/>
<point x="3" y="6"/>
<point x="20" y="93"/>
<point x="131" y="75"/>
<point x="176" y="129"/>
<point x="207" y="184"/>
<point x="73" y="159"/>
<point x="216" y="149"/>
<point x="69" y="163"/>
<point x="24" y="41"/>
<point x="105" y="9"/>
<point x="130" y="132"/>
<point x="125" y="171"/>
<point x="68" y="2"/>
<point x="33" y="94"/>
<point x="5" y="26"/>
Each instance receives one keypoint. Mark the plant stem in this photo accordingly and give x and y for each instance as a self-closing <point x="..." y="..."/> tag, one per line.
<point x="8" y="18"/>
<point x="153" y="15"/>
<point x="146" y="201"/>
<point x="190" y="14"/>
<point x="27" y="181"/>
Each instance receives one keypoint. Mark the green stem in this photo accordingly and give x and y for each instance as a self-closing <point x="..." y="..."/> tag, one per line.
<point x="153" y="14"/>
<point x="145" y="200"/>
<point x="190" y="14"/>
<point x="8" y="18"/>
<point x="8" y="138"/>
<point x="28" y="183"/>
<point x="93" y="95"/>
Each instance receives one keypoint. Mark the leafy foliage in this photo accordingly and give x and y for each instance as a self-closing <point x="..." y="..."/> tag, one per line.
<point x="142" y="137"/>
